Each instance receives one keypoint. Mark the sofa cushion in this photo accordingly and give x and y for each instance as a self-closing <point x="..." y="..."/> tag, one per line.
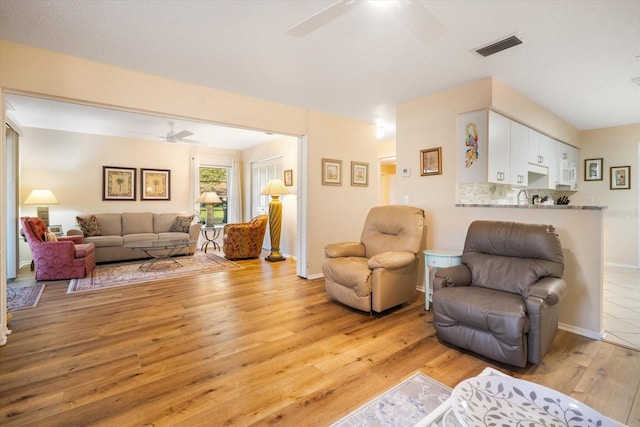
<point x="182" y="223"/>
<point x="105" y="241"/>
<point x="134" y="223"/>
<point x="110" y="224"/>
<point x="163" y="222"/>
<point x="139" y="237"/>
<point x="89" y="225"/>
<point x="173" y="235"/>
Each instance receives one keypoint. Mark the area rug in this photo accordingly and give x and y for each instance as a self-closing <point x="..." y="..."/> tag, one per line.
<point x="403" y="405"/>
<point x="129" y="273"/>
<point x="23" y="297"/>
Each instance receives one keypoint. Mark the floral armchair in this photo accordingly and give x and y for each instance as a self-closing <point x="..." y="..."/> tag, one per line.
<point x="244" y="240"/>
<point x="61" y="257"/>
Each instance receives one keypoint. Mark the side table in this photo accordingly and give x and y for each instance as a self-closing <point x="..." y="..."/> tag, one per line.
<point x="434" y="259"/>
<point x="210" y="233"/>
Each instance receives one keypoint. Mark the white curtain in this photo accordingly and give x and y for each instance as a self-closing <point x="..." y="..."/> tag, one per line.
<point x="234" y="200"/>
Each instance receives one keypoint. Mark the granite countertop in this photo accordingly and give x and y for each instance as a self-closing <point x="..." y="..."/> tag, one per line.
<point x="488" y="205"/>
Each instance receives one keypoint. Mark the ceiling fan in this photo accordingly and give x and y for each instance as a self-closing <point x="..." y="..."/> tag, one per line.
<point x="173" y="136"/>
<point x="415" y="16"/>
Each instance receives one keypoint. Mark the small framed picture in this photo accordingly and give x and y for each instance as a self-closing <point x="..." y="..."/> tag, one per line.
<point x="359" y="174"/>
<point x="56" y="229"/>
<point x="593" y="169"/>
<point x="288" y="177"/>
<point x="118" y="183"/>
<point x="331" y="172"/>
<point x="620" y="177"/>
<point x="431" y="161"/>
<point x="155" y="184"/>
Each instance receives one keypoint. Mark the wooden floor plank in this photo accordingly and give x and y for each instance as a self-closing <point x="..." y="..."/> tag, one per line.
<point x="252" y="346"/>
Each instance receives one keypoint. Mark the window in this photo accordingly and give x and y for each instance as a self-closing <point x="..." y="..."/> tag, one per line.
<point x="214" y="178"/>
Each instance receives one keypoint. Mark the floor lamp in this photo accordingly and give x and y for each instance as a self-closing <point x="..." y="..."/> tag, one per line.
<point x="275" y="188"/>
<point x="209" y="198"/>
<point x="42" y="198"/>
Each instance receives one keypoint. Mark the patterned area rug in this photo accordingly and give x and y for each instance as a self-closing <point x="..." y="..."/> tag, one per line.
<point x="129" y="273"/>
<point x="403" y="405"/>
<point x="23" y="297"/>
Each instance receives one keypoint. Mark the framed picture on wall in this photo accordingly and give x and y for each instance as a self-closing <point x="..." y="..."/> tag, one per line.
<point x="288" y="177"/>
<point x="118" y="183"/>
<point x="620" y="177"/>
<point x="359" y="174"/>
<point x="155" y="184"/>
<point x="593" y="169"/>
<point x="331" y="172"/>
<point x="431" y="161"/>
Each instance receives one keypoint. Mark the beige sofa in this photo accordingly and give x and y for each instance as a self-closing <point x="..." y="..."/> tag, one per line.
<point x="109" y="232"/>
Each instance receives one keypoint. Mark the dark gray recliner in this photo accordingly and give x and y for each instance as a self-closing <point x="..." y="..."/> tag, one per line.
<point x="502" y="301"/>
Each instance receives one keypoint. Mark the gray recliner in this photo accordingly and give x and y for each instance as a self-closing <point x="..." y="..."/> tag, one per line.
<point x="502" y="301"/>
<point x="380" y="271"/>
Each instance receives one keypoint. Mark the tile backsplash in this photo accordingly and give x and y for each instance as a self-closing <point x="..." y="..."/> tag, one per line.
<point x="497" y="194"/>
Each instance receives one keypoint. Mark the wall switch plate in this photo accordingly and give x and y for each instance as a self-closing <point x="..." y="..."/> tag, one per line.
<point x="405" y="199"/>
<point x="406" y="172"/>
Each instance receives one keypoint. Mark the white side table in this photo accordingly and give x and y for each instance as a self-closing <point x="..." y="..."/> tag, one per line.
<point x="434" y="259"/>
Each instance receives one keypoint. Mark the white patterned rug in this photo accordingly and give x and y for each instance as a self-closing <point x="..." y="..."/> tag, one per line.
<point x="19" y="298"/>
<point x="403" y="405"/>
<point x="129" y="273"/>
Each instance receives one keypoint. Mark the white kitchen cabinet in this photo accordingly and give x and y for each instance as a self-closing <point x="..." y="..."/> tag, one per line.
<point x="519" y="151"/>
<point x="488" y="153"/>
<point x="542" y="149"/>
<point x="567" y="164"/>
<point x="499" y="169"/>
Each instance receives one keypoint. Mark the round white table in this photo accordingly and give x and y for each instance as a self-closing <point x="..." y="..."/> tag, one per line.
<point x="434" y="259"/>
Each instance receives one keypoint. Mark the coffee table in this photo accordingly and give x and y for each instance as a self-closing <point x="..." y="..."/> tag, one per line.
<point x="159" y="250"/>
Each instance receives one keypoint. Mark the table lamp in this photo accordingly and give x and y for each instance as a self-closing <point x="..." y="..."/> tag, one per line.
<point x="42" y="198"/>
<point x="209" y="198"/>
<point x="275" y="188"/>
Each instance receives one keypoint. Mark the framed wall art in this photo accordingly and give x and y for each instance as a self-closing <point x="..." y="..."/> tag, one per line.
<point x="593" y="169"/>
<point x="118" y="183"/>
<point x="288" y="177"/>
<point x="155" y="184"/>
<point x="331" y="172"/>
<point x="620" y="177"/>
<point x="359" y="174"/>
<point x="431" y="161"/>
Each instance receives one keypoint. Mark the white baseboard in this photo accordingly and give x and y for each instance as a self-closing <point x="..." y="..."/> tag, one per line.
<point x="315" y="276"/>
<point x="615" y="264"/>
<point x="580" y="331"/>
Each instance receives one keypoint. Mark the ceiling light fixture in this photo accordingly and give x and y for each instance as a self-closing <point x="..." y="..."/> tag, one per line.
<point x="380" y="132"/>
<point x="498" y="46"/>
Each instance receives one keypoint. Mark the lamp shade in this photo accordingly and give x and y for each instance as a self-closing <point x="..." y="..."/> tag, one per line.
<point x="275" y="187"/>
<point x="209" y="197"/>
<point x="41" y="197"/>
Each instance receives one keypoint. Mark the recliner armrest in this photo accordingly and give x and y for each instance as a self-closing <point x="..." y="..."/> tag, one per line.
<point x="458" y="275"/>
<point x="343" y="249"/>
<point x="394" y="259"/>
<point x="549" y="289"/>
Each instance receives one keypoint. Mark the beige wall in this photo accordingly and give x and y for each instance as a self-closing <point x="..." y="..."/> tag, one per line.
<point x="287" y="149"/>
<point x="617" y="146"/>
<point x="334" y="212"/>
<point x="431" y="122"/>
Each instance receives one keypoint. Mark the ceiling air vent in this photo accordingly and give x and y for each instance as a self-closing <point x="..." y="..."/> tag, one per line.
<point x="499" y="46"/>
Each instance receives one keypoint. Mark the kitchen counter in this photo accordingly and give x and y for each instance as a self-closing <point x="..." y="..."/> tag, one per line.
<point x="489" y="205"/>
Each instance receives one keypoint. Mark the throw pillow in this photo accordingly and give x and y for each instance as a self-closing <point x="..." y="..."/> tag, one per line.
<point x="50" y="237"/>
<point x="89" y="225"/>
<point x="182" y="223"/>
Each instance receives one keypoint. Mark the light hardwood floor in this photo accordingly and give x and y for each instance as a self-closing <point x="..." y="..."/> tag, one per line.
<point x="252" y="346"/>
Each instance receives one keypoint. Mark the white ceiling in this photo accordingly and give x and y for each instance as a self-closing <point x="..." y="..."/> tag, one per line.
<point x="578" y="58"/>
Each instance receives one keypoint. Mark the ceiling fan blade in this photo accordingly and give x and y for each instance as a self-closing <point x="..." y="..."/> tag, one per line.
<point x="321" y="18"/>
<point x="420" y="21"/>
<point x="181" y="134"/>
